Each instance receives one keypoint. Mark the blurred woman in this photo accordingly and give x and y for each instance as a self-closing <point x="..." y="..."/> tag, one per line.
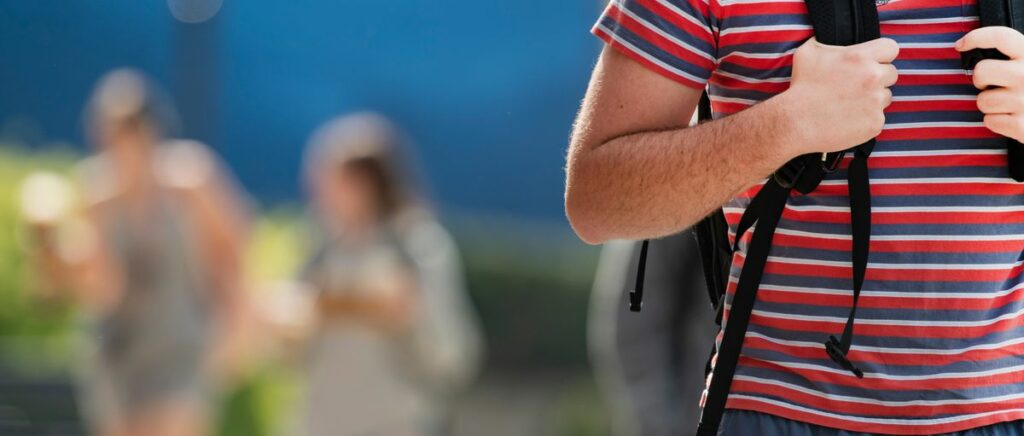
<point x="159" y="267"/>
<point x="395" y="336"/>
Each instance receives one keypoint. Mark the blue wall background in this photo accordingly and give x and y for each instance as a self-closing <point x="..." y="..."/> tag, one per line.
<point x="487" y="89"/>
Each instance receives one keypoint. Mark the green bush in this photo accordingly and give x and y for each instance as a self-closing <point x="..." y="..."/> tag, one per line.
<point x="34" y="333"/>
<point x="531" y="285"/>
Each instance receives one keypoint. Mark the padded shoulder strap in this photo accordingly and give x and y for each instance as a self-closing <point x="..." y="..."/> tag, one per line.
<point x="1009" y="13"/>
<point x="835" y="22"/>
<point x="843" y="22"/>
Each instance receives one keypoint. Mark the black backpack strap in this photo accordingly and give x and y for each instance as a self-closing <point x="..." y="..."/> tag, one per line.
<point x="860" y="224"/>
<point x="712" y="237"/>
<point x="765" y="209"/>
<point x="864" y="17"/>
<point x="1015" y="159"/>
<point x="712" y="234"/>
<point x="1009" y="13"/>
<point x="835" y="22"/>
<point x="636" y="296"/>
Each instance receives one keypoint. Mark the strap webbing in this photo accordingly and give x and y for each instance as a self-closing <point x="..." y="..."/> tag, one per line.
<point x="860" y="224"/>
<point x="835" y="23"/>
<point x="1015" y="159"/>
<point x="765" y="209"/>
<point x="636" y="296"/>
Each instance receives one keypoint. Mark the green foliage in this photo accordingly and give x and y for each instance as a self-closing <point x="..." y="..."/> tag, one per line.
<point x="257" y="406"/>
<point x="33" y="332"/>
<point x="531" y="285"/>
<point x="261" y="404"/>
<point x="278" y="247"/>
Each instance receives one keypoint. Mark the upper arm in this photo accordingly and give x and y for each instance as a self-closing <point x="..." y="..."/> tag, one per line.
<point x="626" y="97"/>
<point x="657" y="59"/>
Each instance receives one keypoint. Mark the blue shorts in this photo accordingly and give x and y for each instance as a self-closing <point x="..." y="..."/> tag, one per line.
<point x="745" y="423"/>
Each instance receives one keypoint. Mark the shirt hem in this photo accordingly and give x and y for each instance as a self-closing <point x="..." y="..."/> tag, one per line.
<point x="855" y="426"/>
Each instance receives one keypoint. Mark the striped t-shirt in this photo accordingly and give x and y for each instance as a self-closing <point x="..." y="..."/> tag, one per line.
<point x="938" y="331"/>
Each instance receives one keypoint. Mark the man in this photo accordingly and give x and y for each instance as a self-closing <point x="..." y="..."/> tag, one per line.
<point x="940" y="316"/>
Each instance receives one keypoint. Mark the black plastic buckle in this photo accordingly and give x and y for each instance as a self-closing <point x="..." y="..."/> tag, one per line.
<point x="790" y="173"/>
<point x="635" y="301"/>
<point x="830" y="161"/>
<point x="838" y="356"/>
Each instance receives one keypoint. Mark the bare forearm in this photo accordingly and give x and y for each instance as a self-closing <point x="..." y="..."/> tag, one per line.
<point x="651" y="184"/>
<point x="635" y="172"/>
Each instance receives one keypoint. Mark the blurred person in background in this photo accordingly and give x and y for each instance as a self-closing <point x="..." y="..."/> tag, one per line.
<point x="395" y="338"/>
<point x="157" y="259"/>
<point x="650" y="365"/>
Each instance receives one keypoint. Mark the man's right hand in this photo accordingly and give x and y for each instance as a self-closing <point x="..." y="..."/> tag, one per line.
<point x="839" y="93"/>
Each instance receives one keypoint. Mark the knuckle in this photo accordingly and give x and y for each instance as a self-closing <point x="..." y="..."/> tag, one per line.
<point x="853" y="56"/>
<point x="807" y="48"/>
<point x="803" y="54"/>
<point x="894" y="72"/>
<point x="1016" y="124"/>
<point x="1016" y="71"/>
<point x="800" y="56"/>
<point x="1016" y="102"/>
<point x="871" y="78"/>
<point x="876" y="75"/>
<point x="803" y="48"/>
<point x="1012" y="126"/>
<point x="1002" y="37"/>
<point x="878" y="98"/>
<point x="877" y="122"/>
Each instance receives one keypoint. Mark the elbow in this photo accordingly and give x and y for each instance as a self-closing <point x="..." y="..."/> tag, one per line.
<point x="583" y="215"/>
<point x="586" y="229"/>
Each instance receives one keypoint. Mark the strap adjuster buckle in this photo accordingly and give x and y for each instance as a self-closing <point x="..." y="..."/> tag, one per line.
<point x="830" y="161"/>
<point x="838" y="356"/>
<point x="635" y="301"/>
<point x="790" y="173"/>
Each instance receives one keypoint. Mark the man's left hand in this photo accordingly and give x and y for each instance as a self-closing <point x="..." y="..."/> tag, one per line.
<point x="1001" y="81"/>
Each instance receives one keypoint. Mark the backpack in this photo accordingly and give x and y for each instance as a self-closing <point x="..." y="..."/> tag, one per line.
<point x="834" y="22"/>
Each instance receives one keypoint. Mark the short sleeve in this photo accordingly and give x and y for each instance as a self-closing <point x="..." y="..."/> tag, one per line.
<point x="674" y="38"/>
